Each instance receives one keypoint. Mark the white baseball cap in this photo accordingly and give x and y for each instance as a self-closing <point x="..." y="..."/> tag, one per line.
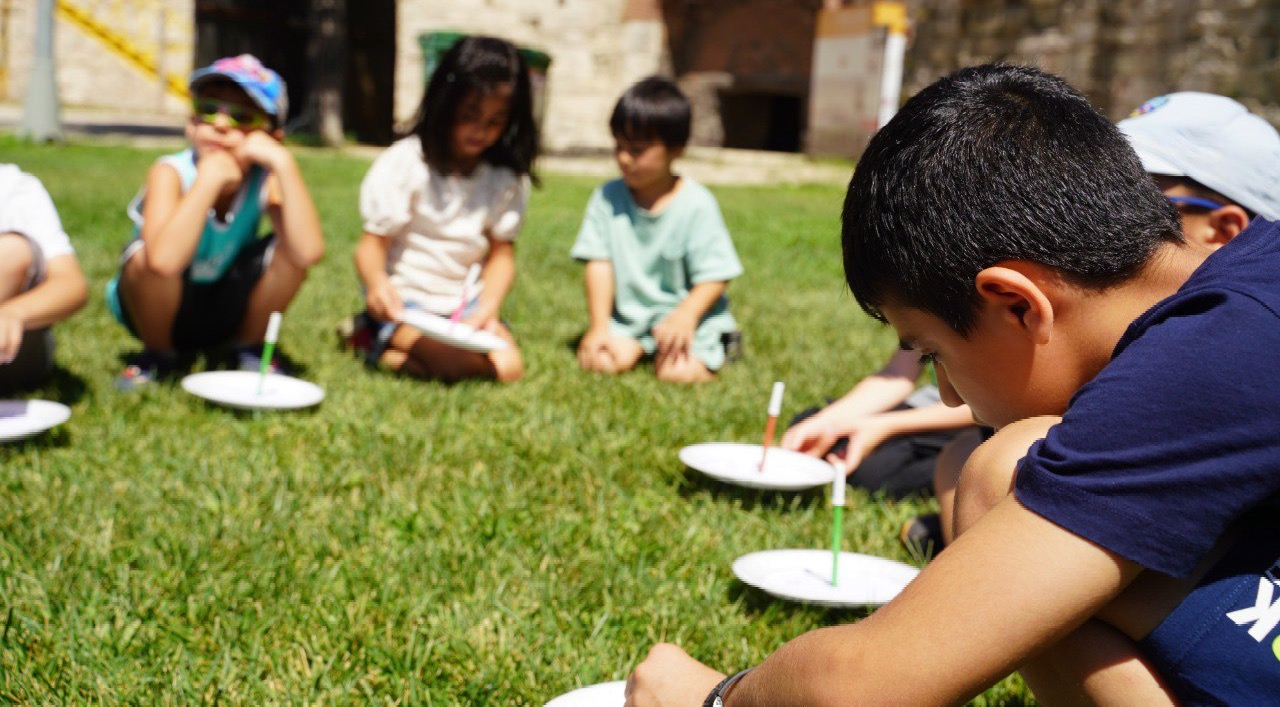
<point x="1215" y="141"/>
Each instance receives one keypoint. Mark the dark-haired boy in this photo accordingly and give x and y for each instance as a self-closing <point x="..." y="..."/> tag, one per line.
<point x="1007" y="232"/>
<point x="658" y="256"/>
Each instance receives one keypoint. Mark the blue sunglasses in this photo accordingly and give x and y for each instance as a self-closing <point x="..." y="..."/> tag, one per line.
<point x="1195" y="201"/>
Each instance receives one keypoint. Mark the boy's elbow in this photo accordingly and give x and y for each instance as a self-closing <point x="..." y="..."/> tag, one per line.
<point x="162" y="266"/>
<point x="312" y="256"/>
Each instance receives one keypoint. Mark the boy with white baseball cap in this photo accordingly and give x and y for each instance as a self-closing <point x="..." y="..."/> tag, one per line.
<point x="1218" y="163"/>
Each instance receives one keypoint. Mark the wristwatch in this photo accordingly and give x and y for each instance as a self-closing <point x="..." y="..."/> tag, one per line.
<point x="716" y="698"/>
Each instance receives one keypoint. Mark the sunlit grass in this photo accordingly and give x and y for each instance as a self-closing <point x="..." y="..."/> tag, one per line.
<point x="412" y="542"/>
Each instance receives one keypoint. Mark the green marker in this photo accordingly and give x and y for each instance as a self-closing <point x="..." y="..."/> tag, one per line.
<point x="837" y="510"/>
<point x="268" y="348"/>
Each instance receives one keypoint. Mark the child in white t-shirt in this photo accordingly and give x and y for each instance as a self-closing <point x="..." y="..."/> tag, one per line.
<point x="40" y="280"/>
<point x="449" y="197"/>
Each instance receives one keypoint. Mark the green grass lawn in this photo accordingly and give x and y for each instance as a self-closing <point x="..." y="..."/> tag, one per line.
<point x="410" y="542"/>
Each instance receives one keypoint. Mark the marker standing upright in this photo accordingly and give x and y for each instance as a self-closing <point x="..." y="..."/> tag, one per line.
<point x="269" y="348"/>
<point x="775" y="409"/>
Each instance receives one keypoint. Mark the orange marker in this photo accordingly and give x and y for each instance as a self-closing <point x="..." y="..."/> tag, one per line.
<point x="775" y="408"/>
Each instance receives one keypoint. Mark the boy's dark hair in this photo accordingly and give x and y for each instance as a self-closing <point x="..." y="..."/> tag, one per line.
<point x="996" y="163"/>
<point x="653" y="109"/>
<point x="478" y="65"/>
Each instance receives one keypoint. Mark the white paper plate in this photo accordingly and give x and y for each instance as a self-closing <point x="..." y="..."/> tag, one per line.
<point x="739" y="464"/>
<point x="606" y="694"/>
<point x="805" y="576"/>
<point x="20" y="419"/>
<point x="454" y="334"/>
<point x="239" y="389"/>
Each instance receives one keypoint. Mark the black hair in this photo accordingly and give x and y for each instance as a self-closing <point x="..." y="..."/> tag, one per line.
<point x="994" y="163"/>
<point x="653" y="109"/>
<point x="478" y="65"/>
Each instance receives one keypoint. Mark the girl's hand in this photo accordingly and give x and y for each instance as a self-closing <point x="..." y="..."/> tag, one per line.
<point x="674" y="334"/>
<point x="383" y="303"/>
<point x="482" y="318"/>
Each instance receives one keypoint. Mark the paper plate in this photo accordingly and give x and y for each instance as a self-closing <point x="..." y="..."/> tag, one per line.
<point x="454" y="334"/>
<point x="20" y="419"/>
<point x="239" y="389"/>
<point x="805" y="576"/>
<point x="739" y="464"/>
<point x="606" y="694"/>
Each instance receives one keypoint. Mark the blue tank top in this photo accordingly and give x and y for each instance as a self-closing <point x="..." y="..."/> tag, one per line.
<point x="222" y="239"/>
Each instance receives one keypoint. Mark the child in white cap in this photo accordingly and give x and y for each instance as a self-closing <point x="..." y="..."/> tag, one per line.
<point x="1218" y="163"/>
<point x="197" y="274"/>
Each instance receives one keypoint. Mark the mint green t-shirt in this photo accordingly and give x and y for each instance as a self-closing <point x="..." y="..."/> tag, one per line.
<point x="658" y="257"/>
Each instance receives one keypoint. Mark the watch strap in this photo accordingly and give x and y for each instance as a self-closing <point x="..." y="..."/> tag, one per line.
<point x="716" y="698"/>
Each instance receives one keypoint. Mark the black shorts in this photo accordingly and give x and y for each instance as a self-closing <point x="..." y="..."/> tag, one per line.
<point x="210" y="313"/>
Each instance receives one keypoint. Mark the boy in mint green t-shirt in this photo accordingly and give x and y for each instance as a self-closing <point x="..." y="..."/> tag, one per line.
<point x="658" y="256"/>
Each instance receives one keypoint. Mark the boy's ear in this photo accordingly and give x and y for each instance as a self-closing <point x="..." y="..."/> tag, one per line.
<point x="1017" y="294"/>
<point x="1227" y="223"/>
<point x="675" y="152"/>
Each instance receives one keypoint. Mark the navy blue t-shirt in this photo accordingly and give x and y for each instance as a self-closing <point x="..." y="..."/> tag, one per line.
<point x="1176" y="442"/>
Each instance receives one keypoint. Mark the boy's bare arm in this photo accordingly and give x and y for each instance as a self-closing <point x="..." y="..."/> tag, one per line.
<point x="293" y="213"/>
<point x="1015" y="583"/>
<point x="172" y="221"/>
<point x="598" y="279"/>
<point x="675" y="331"/>
<point x="62" y="294"/>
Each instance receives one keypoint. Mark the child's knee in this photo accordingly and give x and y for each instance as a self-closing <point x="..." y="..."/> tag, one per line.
<point x="988" y="475"/>
<point x="16" y="259"/>
<point x="508" y="365"/>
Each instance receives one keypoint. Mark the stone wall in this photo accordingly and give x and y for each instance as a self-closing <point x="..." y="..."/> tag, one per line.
<point x="597" y="48"/>
<point x="91" y="75"/>
<point x="1117" y="53"/>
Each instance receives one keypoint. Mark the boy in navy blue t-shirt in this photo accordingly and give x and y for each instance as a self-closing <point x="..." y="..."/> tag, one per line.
<point x="1009" y="234"/>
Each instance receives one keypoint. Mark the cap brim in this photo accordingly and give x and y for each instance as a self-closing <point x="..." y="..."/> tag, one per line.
<point x="1153" y="163"/>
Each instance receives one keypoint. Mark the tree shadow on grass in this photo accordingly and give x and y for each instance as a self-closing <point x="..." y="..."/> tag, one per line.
<point x="760" y="604"/>
<point x="56" y="438"/>
<point x="62" y="386"/>
<point x="693" y="483"/>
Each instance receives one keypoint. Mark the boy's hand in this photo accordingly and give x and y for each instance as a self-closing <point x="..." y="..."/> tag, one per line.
<point x="669" y="677"/>
<point x="813" y="436"/>
<point x="592" y="344"/>
<point x="11" y="329"/>
<point x="675" y="333"/>
<point x="383" y="303"/>
<point x="261" y="148"/>
<point x="221" y="167"/>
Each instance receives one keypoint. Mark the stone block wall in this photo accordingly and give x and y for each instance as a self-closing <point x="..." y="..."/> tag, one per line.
<point x="597" y="48"/>
<point x="89" y="74"/>
<point x="1117" y="53"/>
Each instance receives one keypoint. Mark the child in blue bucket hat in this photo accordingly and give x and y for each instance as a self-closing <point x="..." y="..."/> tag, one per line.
<point x="197" y="274"/>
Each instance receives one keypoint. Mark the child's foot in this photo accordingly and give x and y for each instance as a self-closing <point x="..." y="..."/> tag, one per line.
<point x="922" y="535"/>
<point x="249" y="358"/>
<point x="145" y="368"/>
